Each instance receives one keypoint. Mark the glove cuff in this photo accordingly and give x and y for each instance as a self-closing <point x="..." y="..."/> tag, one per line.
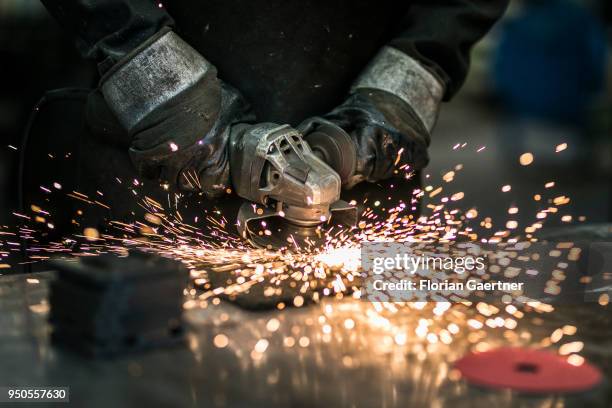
<point x="151" y="76"/>
<point x="394" y="72"/>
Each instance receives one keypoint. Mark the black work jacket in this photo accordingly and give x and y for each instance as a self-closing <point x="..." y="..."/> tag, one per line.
<point x="291" y="58"/>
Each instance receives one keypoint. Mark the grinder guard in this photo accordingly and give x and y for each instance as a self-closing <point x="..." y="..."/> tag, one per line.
<point x="284" y="233"/>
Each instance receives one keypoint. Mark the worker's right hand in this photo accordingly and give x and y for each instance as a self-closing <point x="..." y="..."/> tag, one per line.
<point x="362" y="131"/>
<point x="384" y="124"/>
<point x="177" y="113"/>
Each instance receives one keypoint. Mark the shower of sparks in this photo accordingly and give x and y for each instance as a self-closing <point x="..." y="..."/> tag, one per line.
<point x="223" y="266"/>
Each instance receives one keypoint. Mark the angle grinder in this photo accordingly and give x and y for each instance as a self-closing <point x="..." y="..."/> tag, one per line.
<point x="292" y="187"/>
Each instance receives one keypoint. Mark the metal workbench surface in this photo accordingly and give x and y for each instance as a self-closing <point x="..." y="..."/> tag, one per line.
<point x="334" y="353"/>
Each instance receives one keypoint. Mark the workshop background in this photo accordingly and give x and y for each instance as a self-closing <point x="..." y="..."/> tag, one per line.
<point x="540" y="78"/>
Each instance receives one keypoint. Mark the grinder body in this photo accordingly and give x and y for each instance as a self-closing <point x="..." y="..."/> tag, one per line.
<point x="271" y="165"/>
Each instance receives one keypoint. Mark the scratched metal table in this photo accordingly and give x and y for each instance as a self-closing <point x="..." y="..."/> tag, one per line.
<point x="335" y="353"/>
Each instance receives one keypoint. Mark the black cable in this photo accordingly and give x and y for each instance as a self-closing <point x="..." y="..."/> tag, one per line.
<point x="48" y="97"/>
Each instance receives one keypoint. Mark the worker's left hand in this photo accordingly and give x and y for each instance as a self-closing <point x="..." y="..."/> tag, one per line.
<point x="388" y="137"/>
<point x="177" y="114"/>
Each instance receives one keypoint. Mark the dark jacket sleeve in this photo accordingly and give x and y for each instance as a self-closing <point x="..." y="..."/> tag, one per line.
<point x="440" y="34"/>
<point x="106" y="30"/>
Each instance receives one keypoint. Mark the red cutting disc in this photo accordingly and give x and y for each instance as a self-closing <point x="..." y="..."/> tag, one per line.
<point x="527" y="370"/>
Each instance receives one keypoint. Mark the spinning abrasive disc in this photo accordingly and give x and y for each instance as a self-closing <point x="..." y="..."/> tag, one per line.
<point x="277" y="233"/>
<point x="265" y="228"/>
<point x="527" y="370"/>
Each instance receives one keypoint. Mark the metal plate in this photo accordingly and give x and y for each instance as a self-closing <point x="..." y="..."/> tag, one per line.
<point x="360" y="366"/>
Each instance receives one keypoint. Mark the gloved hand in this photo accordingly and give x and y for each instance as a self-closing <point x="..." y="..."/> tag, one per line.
<point x="383" y="142"/>
<point x="177" y="113"/>
<point x="387" y="118"/>
<point x="180" y="148"/>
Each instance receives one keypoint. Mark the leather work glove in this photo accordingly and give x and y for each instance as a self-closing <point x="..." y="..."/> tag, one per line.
<point x="177" y="113"/>
<point x="387" y="117"/>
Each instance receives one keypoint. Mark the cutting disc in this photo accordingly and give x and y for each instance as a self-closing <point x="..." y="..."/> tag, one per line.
<point x="265" y="228"/>
<point x="276" y="232"/>
<point x="527" y="370"/>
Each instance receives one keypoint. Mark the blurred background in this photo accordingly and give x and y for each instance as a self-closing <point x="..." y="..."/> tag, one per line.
<point x="540" y="79"/>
